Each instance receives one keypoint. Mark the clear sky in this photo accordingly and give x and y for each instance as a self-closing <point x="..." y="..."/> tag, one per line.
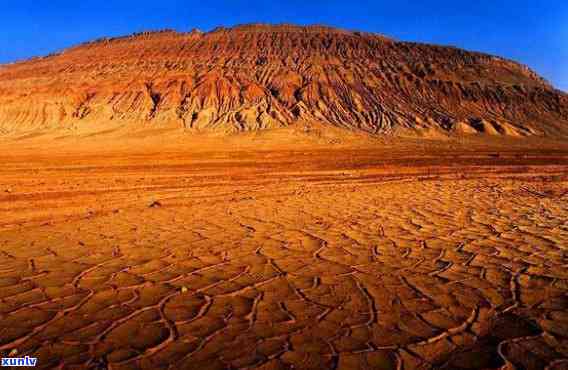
<point x="532" y="32"/>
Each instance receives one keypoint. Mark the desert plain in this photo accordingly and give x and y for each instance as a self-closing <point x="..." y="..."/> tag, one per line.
<point x="282" y="197"/>
<point x="152" y="250"/>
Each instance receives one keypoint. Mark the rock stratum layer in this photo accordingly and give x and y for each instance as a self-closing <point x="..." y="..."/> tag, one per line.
<point x="258" y="77"/>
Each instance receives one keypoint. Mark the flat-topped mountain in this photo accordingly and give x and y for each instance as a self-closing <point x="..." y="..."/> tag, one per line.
<point x="255" y="77"/>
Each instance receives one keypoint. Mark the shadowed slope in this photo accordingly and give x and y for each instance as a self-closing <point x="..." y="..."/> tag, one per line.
<point x="259" y="76"/>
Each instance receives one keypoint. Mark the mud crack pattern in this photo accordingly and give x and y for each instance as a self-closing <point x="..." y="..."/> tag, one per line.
<point x="445" y="274"/>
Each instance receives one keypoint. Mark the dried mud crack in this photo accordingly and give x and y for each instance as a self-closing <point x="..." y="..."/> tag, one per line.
<point x="306" y="268"/>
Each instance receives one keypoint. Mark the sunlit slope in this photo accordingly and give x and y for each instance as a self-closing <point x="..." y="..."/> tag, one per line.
<point x="257" y="77"/>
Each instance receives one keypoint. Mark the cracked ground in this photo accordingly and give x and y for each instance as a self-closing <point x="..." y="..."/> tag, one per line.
<point x="301" y="261"/>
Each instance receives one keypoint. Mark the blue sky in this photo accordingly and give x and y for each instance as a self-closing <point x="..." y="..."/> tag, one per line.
<point x="532" y="32"/>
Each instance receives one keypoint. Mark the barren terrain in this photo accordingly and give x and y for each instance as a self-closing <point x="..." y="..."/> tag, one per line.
<point x="282" y="197"/>
<point x="234" y="255"/>
<point x="259" y="77"/>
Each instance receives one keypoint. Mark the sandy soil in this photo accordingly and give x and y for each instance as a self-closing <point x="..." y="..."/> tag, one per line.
<point x="385" y="257"/>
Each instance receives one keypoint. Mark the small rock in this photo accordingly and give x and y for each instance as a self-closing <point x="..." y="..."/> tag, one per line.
<point x="155" y="204"/>
<point x="184" y="289"/>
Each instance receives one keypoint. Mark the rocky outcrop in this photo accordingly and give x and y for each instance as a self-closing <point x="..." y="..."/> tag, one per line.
<point x="260" y="77"/>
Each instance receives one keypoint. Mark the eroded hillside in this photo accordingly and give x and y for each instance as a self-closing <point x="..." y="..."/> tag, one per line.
<point x="258" y="76"/>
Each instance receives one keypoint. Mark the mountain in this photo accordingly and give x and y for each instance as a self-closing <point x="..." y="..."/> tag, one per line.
<point x="255" y="77"/>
